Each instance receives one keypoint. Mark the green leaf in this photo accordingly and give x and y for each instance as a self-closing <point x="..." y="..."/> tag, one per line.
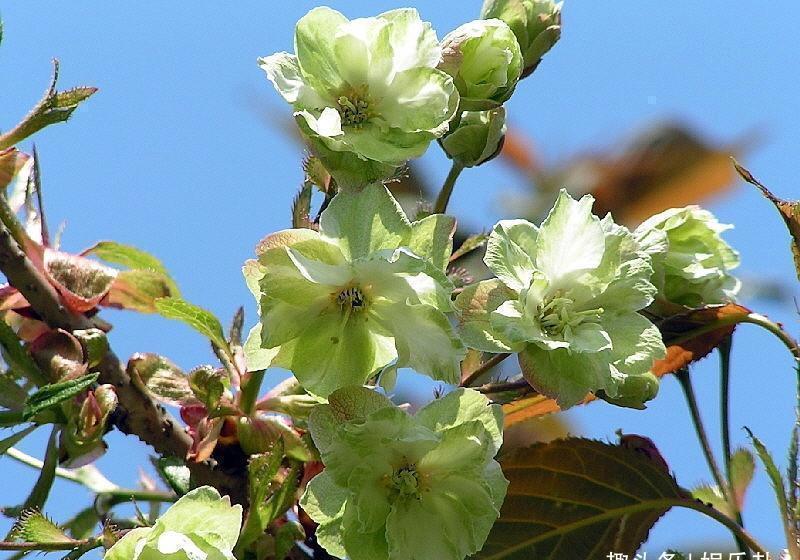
<point x="778" y="484"/>
<point x="262" y="470"/>
<point x="138" y="290"/>
<point x="175" y="473"/>
<point x="196" y="317"/>
<point x="14" y="439"/>
<point x="51" y="395"/>
<point x="743" y="467"/>
<point x="41" y="490"/>
<point x="301" y="206"/>
<point x="474" y="241"/>
<point x="579" y="498"/>
<point x="127" y="256"/>
<point x="82" y="525"/>
<point x="17" y="357"/>
<point x="12" y="395"/>
<point x="286" y="536"/>
<point x="207" y="384"/>
<point x="33" y="526"/>
<point x="54" y="107"/>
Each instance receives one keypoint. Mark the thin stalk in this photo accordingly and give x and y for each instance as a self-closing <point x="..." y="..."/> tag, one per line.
<point x="504" y="386"/>
<point x="447" y="188"/>
<point x="32" y="546"/>
<point x="694" y="411"/>
<point x="124" y="495"/>
<point x="724" y="369"/>
<point x="483" y="368"/>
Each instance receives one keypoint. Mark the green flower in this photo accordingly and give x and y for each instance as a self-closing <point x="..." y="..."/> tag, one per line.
<point x="484" y="59"/>
<point x="366" y="294"/>
<point x="477" y="138"/>
<point x="199" y="525"/>
<point x="536" y="24"/>
<point x="405" y="487"/>
<point x="566" y="298"/>
<point x="692" y="262"/>
<point x="366" y="92"/>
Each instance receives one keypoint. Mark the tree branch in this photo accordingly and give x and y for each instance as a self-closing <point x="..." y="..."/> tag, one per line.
<point x="137" y="414"/>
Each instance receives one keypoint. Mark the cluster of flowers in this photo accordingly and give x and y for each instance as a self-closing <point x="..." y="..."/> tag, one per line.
<point x="367" y="291"/>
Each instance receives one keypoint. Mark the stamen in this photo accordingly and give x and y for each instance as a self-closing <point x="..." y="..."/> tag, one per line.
<point x="352" y="297"/>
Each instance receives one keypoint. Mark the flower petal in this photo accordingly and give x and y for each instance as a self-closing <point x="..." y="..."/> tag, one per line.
<point x="314" y="40"/>
<point x="462" y="406"/>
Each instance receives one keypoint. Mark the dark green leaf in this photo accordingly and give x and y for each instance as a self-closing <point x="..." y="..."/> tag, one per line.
<point x="286" y="536"/>
<point x="578" y="498"/>
<point x="262" y="471"/>
<point x="51" y="395"/>
<point x="196" y="317"/>
<point x="41" y="490"/>
<point x="83" y="524"/>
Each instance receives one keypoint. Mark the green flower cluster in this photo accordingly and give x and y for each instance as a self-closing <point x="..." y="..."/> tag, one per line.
<point x="691" y="260"/>
<point x="421" y="487"/>
<point x="364" y="295"/>
<point x="566" y="298"/>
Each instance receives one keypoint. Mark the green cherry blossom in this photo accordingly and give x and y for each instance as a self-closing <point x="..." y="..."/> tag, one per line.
<point x="484" y="59"/>
<point x="421" y="487"/>
<point x="566" y="298"/>
<point x="199" y="525"/>
<point x="692" y="262"/>
<point x="366" y="93"/>
<point x="365" y="295"/>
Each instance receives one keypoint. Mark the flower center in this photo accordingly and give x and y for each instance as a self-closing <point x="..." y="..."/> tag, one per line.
<point x="405" y="481"/>
<point x="558" y="317"/>
<point x="354" y="107"/>
<point x="353" y="298"/>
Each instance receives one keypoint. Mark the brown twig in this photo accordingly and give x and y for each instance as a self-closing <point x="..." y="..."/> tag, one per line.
<point x="483" y="368"/>
<point x="137" y="414"/>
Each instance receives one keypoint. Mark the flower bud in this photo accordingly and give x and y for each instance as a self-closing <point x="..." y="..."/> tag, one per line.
<point x="477" y="138"/>
<point x="634" y="391"/>
<point x="82" y="439"/>
<point x="485" y="61"/>
<point x="536" y="24"/>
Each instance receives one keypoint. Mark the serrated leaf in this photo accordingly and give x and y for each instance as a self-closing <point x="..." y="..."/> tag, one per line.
<point x="56" y="393"/>
<point x="138" y="290"/>
<point x="196" y="317"/>
<point x="17" y="357"/>
<point x="14" y="439"/>
<point x="133" y="258"/>
<point x="175" y="473"/>
<point x="301" y="206"/>
<point x="474" y="241"/>
<point x="789" y="211"/>
<point x="33" y="526"/>
<point x="743" y="467"/>
<point x="262" y="470"/>
<point x="157" y="375"/>
<point x="54" y="107"/>
<point x="578" y="498"/>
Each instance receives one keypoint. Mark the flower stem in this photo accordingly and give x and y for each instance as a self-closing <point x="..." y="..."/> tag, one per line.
<point x="250" y="392"/>
<point x="447" y="188"/>
<point x="725" y="366"/>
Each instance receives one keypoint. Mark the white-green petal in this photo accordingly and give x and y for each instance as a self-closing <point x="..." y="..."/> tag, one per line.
<point x="432" y="239"/>
<point x="324" y="501"/>
<point x="428" y="101"/>
<point x="314" y="41"/>
<point x="564" y="376"/>
<point x="461" y="406"/>
<point x="362" y="223"/>
<point x="509" y="252"/>
<point x="413" y="41"/>
<point x="126" y="547"/>
<point x="474" y="306"/>
<point x="192" y="512"/>
<point x="570" y="241"/>
<point x="284" y="72"/>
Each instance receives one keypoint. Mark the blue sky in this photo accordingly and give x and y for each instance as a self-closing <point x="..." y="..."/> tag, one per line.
<point x="181" y="153"/>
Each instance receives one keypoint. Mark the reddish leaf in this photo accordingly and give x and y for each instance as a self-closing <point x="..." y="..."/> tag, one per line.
<point x="59" y="355"/>
<point x="81" y="282"/>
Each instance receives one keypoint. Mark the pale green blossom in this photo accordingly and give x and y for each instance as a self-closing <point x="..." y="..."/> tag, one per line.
<point x="421" y="487"/>
<point x="366" y="92"/>
<point x="692" y="262"/>
<point x="484" y="59"/>
<point x="566" y="298"/>
<point x="364" y="295"/>
<point x="199" y="526"/>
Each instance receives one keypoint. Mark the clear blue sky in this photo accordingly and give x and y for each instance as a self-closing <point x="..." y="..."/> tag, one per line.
<point x="179" y="154"/>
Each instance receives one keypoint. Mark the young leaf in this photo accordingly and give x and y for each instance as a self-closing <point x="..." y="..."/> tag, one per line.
<point x="51" y="395"/>
<point x="54" y="107"/>
<point x="17" y="357"/>
<point x="578" y="498"/>
<point x="301" y="206"/>
<point x="789" y="210"/>
<point x="196" y="317"/>
<point x="262" y="471"/>
<point x="471" y="243"/>
<point x="33" y="526"/>
<point x="160" y="377"/>
<point x="127" y="256"/>
<point x="138" y="290"/>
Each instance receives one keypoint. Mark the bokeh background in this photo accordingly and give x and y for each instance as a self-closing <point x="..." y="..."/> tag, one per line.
<point x="184" y="153"/>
